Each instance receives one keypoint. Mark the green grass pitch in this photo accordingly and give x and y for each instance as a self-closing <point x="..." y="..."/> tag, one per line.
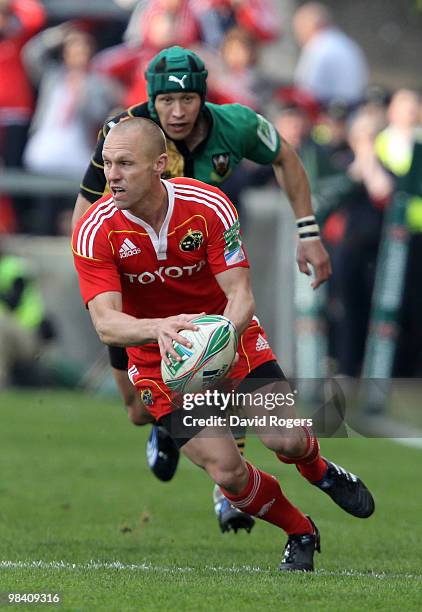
<point x="81" y="515"/>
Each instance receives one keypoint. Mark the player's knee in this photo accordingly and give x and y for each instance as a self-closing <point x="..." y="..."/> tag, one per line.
<point x="233" y="478"/>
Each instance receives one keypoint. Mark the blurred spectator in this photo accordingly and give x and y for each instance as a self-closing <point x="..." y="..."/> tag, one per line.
<point x="73" y="101"/>
<point x="335" y="156"/>
<point x="157" y="24"/>
<point x="153" y="26"/>
<point x="168" y="22"/>
<point x="318" y="146"/>
<point x="290" y="95"/>
<point x="399" y="147"/>
<point x="211" y="19"/>
<point x="395" y="143"/>
<point x="257" y="17"/>
<point x="72" y="104"/>
<point x="293" y="124"/>
<point x="19" y="20"/>
<point x="24" y="328"/>
<point x="377" y="97"/>
<point x="376" y="104"/>
<point x="366" y="191"/>
<point x="127" y="65"/>
<point x="331" y="132"/>
<point x="331" y="65"/>
<point x="233" y="76"/>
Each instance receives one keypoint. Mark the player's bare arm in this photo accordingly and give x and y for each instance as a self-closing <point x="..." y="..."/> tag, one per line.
<point x="81" y="206"/>
<point x="116" y="328"/>
<point x="236" y="285"/>
<point x="291" y="176"/>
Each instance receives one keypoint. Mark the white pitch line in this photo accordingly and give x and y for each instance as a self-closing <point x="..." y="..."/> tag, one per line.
<point x="118" y="565"/>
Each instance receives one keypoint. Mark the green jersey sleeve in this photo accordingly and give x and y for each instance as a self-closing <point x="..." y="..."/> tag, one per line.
<point x="260" y="141"/>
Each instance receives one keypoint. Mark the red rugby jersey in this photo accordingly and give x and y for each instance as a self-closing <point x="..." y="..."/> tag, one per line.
<point x="168" y="274"/>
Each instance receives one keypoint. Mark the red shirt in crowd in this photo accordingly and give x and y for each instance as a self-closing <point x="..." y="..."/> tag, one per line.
<point x="16" y="96"/>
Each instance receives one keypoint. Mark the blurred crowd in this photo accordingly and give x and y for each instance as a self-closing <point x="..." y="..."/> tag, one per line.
<point x="357" y="141"/>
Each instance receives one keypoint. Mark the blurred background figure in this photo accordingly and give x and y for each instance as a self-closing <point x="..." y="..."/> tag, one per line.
<point x="376" y="102"/>
<point x="396" y="142"/>
<point x="73" y="101"/>
<point x="24" y="327"/>
<point x="361" y="199"/>
<point x="72" y="104"/>
<point x="19" y="20"/>
<point x="153" y="26"/>
<point x="156" y="24"/>
<point x="399" y="146"/>
<point x="331" y="65"/>
<point x="216" y="17"/>
<point x="319" y="136"/>
<point x="331" y="133"/>
<point x="233" y="76"/>
<point x="168" y="22"/>
<point x="294" y="125"/>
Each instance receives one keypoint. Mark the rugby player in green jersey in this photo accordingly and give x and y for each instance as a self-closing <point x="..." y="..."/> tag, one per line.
<point x="205" y="141"/>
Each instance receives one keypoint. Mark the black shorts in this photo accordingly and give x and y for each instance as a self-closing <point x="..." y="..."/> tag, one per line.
<point x="118" y="357"/>
<point x="173" y="422"/>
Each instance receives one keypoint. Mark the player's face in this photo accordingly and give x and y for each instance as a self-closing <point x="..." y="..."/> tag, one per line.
<point x="128" y="171"/>
<point x="178" y="113"/>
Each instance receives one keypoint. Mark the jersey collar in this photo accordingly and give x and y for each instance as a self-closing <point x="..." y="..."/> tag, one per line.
<point x="158" y="242"/>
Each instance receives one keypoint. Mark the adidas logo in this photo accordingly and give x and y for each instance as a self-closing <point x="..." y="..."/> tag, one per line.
<point x="262" y="344"/>
<point x="128" y="249"/>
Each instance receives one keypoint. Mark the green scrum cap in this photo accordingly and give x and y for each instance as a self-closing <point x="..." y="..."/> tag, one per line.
<point x="175" y="70"/>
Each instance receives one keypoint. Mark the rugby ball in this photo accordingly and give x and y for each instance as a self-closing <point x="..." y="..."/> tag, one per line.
<point x="213" y="350"/>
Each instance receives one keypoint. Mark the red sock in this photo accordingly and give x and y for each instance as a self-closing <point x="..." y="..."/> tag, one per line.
<point x="311" y="465"/>
<point x="263" y="497"/>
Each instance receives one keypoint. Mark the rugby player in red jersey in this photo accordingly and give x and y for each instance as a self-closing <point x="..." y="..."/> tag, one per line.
<point x="207" y="142"/>
<point x="141" y="285"/>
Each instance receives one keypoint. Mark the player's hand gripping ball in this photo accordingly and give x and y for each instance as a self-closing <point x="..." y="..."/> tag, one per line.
<point x="213" y="350"/>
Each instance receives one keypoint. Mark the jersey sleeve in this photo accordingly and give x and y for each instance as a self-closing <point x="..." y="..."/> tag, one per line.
<point x="94" y="184"/>
<point x="94" y="262"/>
<point x="260" y="141"/>
<point x="225" y="249"/>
